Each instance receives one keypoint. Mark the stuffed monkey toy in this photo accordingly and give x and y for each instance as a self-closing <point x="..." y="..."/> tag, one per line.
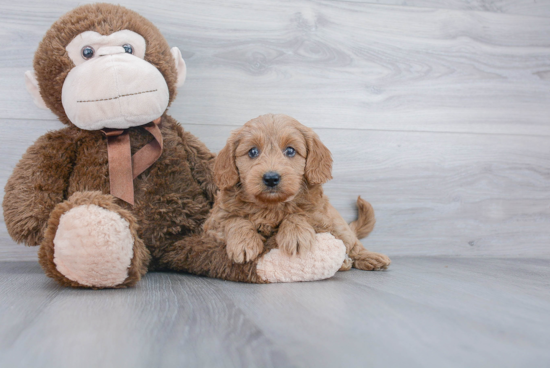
<point x="123" y="189"/>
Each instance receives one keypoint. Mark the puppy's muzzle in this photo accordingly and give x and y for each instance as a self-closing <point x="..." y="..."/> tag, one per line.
<point x="271" y="179"/>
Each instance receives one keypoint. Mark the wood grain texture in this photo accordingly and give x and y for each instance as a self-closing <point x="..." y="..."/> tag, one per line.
<point x="168" y="321"/>
<point x="436" y="113"/>
<point x="525" y="7"/>
<point x="423" y="312"/>
<point x="370" y="66"/>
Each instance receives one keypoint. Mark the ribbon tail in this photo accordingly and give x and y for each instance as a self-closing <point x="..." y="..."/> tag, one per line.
<point x="121" y="179"/>
<point x="123" y="167"/>
<point x="148" y="154"/>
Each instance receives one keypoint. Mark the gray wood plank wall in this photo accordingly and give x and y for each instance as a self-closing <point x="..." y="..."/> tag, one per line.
<point x="438" y="112"/>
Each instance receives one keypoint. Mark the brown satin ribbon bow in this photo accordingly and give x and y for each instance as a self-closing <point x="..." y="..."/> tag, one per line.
<point x="123" y="167"/>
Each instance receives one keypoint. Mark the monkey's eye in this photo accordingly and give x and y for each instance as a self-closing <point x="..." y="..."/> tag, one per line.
<point x="289" y="152"/>
<point x="253" y="153"/>
<point x="87" y="52"/>
<point x="128" y="48"/>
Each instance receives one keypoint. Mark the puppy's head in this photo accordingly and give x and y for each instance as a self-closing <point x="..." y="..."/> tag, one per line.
<point x="273" y="157"/>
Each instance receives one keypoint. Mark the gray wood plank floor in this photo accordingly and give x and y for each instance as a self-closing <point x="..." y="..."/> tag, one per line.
<point x="423" y="312"/>
<point x="438" y="112"/>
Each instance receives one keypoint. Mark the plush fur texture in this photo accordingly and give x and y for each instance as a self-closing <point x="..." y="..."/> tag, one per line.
<point x="248" y="213"/>
<point x="304" y="267"/>
<point x="47" y="252"/>
<point x="51" y="61"/>
<point x="93" y="246"/>
<point x="172" y="199"/>
<point x="68" y="169"/>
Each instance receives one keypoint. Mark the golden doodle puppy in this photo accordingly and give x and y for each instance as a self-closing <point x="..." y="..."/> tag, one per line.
<point x="270" y="176"/>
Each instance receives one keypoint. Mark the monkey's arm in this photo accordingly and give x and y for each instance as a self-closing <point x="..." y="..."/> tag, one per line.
<point x="37" y="184"/>
<point x="204" y="255"/>
<point x="201" y="161"/>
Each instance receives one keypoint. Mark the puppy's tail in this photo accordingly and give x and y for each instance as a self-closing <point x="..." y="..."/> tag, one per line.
<point x="365" y="219"/>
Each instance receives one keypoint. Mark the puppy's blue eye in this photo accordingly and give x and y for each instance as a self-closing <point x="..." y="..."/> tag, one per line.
<point x="289" y="152"/>
<point x="253" y="153"/>
<point x="128" y="48"/>
<point x="87" y="52"/>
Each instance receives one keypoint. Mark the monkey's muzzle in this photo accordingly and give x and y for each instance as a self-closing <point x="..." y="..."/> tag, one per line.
<point x="115" y="90"/>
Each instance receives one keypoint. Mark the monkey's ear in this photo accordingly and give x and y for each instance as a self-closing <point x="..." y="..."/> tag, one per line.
<point x="32" y="87"/>
<point x="180" y="65"/>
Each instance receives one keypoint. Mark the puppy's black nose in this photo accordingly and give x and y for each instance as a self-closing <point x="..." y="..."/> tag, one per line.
<point x="271" y="179"/>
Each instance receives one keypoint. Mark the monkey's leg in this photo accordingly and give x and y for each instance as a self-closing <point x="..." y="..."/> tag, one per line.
<point x="91" y="242"/>
<point x="202" y="255"/>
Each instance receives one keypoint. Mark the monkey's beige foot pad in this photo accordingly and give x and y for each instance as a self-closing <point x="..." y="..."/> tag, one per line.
<point x="93" y="246"/>
<point x="322" y="262"/>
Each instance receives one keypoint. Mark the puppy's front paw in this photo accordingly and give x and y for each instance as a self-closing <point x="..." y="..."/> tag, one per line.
<point x="245" y="248"/>
<point x="295" y="237"/>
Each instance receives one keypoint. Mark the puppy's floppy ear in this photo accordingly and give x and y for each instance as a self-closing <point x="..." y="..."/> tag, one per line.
<point x="225" y="169"/>
<point x="319" y="159"/>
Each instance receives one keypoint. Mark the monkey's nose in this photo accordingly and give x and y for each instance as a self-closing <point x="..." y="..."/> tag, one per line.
<point x="271" y="179"/>
<point x="110" y="50"/>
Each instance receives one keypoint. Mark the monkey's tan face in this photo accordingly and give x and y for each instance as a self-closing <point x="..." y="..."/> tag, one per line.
<point x="111" y="85"/>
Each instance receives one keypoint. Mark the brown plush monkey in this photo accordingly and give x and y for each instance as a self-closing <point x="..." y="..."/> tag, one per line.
<point x="123" y="189"/>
